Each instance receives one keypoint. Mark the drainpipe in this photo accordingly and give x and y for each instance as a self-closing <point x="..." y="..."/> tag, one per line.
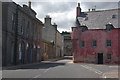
<point x="16" y="36"/>
<point x="55" y="42"/>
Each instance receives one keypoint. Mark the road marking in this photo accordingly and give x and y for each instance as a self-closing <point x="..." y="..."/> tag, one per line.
<point x="41" y="74"/>
<point x="37" y="76"/>
<point x="113" y="66"/>
<point x="92" y="69"/>
<point x="46" y="70"/>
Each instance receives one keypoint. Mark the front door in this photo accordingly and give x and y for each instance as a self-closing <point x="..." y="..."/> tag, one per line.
<point x="100" y="58"/>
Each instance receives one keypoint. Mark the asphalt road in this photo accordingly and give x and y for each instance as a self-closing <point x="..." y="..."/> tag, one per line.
<point x="60" y="69"/>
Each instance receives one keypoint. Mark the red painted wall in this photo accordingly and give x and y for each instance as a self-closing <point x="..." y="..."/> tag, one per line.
<point x="89" y="53"/>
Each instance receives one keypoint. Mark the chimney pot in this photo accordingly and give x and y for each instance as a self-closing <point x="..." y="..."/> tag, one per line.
<point x="89" y="10"/>
<point x="29" y="3"/>
<point x="48" y="20"/>
<point x="78" y="10"/>
<point x="92" y="9"/>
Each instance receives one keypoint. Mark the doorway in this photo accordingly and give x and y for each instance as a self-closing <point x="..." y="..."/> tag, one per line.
<point x="100" y="58"/>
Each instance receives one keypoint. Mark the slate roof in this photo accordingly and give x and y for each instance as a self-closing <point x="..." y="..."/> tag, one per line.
<point x="98" y="19"/>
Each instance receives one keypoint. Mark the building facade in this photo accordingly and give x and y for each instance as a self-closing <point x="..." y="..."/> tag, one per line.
<point x="21" y="34"/>
<point x="49" y="39"/>
<point x="59" y="45"/>
<point x="96" y="37"/>
<point x="52" y="40"/>
<point x="67" y="43"/>
<point x="96" y="45"/>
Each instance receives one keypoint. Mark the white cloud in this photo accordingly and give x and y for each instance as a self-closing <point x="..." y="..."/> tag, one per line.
<point x="62" y="12"/>
<point x="52" y="1"/>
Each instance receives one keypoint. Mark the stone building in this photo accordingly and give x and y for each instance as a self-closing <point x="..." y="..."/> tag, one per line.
<point x="1" y="34"/>
<point x="67" y="43"/>
<point x="50" y="43"/>
<point x="49" y="39"/>
<point x="21" y="34"/>
<point x="59" y="45"/>
<point x="96" y="36"/>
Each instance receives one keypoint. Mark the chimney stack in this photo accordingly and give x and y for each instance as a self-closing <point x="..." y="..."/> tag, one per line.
<point x="29" y="4"/>
<point x="78" y="10"/>
<point x="93" y="9"/>
<point x="55" y="25"/>
<point x="48" y="20"/>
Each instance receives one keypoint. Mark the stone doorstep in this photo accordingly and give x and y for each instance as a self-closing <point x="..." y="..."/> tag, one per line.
<point x="112" y="74"/>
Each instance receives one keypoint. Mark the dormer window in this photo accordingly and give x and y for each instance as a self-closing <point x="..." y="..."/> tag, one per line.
<point x="76" y="29"/>
<point x="109" y="26"/>
<point x="113" y="16"/>
<point x="108" y="30"/>
<point x="86" y="18"/>
<point x="82" y="30"/>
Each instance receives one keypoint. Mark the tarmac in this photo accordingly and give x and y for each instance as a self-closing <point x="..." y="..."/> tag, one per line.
<point x="111" y="74"/>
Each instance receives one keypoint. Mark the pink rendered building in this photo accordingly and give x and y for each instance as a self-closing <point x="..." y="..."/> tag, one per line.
<point x="95" y="44"/>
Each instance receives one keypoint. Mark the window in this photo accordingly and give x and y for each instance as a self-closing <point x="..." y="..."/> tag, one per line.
<point x="108" y="43"/>
<point x="113" y="16"/>
<point x="108" y="57"/>
<point x="36" y="32"/>
<point x="27" y="30"/>
<point x="94" y="43"/>
<point x="22" y="29"/>
<point x="20" y="51"/>
<point x="82" y="44"/>
<point x="86" y="18"/>
<point x="108" y="30"/>
<point x="76" y="29"/>
<point x="23" y="25"/>
<point x="82" y="30"/>
<point x="13" y="21"/>
<point x="32" y="30"/>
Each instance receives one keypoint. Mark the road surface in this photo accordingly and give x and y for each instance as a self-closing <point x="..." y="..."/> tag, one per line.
<point x="60" y="69"/>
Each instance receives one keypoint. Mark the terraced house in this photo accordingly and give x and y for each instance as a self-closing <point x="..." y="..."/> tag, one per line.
<point x="21" y="34"/>
<point x="96" y="37"/>
<point x="52" y="40"/>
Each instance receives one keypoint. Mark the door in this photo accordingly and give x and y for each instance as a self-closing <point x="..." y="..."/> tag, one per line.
<point x="100" y="58"/>
<point x="12" y="53"/>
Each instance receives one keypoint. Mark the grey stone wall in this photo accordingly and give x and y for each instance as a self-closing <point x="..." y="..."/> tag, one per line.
<point x="0" y="39"/>
<point x="23" y="39"/>
<point x="7" y="32"/>
<point x="59" y="44"/>
<point x="49" y="33"/>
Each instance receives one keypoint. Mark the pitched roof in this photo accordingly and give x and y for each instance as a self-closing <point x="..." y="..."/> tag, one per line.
<point x="98" y="19"/>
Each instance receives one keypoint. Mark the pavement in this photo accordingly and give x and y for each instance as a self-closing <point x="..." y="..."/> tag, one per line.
<point x="31" y="64"/>
<point x="63" y="68"/>
<point x="110" y="74"/>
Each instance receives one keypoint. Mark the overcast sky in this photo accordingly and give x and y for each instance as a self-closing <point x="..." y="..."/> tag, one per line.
<point x="64" y="13"/>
